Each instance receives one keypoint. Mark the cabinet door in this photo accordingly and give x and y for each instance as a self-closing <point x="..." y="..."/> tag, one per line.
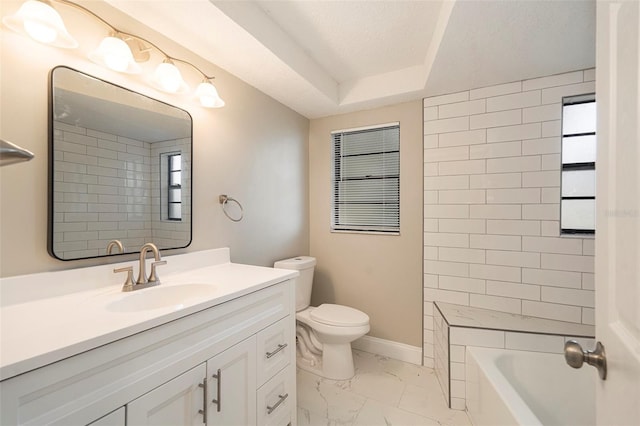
<point x="231" y="386"/>
<point x="178" y="402"/>
<point x="115" y="418"/>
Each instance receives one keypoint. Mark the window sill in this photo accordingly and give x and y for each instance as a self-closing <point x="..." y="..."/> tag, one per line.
<point x="342" y="231"/>
<point x="583" y="236"/>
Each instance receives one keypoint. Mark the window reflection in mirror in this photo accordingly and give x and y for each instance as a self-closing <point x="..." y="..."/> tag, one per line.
<point x="120" y="168"/>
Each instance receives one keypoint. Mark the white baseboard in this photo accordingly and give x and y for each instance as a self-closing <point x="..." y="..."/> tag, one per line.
<point x="388" y="348"/>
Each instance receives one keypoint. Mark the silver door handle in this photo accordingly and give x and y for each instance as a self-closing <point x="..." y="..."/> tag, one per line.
<point x="281" y="398"/>
<point x="203" y="385"/>
<point x="575" y="357"/>
<point x="218" y="400"/>
<point x="275" y="351"/>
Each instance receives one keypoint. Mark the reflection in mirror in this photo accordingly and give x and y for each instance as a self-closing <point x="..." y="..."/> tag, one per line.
<point x="120" y="169"/>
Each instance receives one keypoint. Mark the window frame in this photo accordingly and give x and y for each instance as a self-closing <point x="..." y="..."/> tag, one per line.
<point x="171" y="187"/>
<point x="568" y="167"/>
<point x="336" y="180"/>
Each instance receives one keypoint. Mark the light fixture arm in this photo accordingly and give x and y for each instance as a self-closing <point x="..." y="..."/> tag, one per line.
<point x="204" y="76"/>
<point x="126" y="34"/>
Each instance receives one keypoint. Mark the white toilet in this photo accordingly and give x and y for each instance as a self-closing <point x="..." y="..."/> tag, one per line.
<point x="324" y="334"/>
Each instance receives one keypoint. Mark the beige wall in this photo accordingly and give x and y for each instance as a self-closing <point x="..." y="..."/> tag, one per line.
<point x="255" y="149"/>
<point x="378" y="274"/>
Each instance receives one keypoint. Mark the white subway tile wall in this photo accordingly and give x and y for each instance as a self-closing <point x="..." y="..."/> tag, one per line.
<point x="492" y="204"/>
<point x="108" y="188"/>
<point x="441" y="351"/>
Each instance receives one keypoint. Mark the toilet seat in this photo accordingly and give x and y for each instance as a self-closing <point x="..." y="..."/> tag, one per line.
<point x="339" y="316"/>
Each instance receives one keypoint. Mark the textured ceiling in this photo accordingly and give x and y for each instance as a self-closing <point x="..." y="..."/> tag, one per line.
<point x="491" y="42"/>
<point x="327" y="57"/>
<point x="357" y="38"/>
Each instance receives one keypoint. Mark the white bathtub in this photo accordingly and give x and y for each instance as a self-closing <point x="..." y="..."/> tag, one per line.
<point x="506" y="387"/>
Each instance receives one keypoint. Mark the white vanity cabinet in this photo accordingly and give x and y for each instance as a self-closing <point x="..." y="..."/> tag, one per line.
<point x="115" y="418"/>
<point x="231" y="362"/>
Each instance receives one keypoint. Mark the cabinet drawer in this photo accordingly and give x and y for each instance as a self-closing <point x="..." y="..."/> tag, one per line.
<point x="276" y="399"/>
<point x="275" y="346"/>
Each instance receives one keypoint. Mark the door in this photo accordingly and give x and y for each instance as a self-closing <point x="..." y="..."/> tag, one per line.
<point x="618" y="210"/>
<point x="178" y="402"/>
<point x="231" y="386"/>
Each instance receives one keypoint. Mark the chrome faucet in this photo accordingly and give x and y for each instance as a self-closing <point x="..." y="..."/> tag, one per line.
<point x="143" y="281"/>
<point x="114" y="243"/>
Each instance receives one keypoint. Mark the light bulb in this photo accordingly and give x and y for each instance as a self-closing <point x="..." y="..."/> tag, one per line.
<point x="40" y="31"/>
<point x="114" y="53"/>
<point x="42" y="23"/>
<point x="168" y="77"/>
<point x="208" y="95"/>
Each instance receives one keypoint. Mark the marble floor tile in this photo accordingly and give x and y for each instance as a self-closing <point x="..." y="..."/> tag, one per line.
<point x="384" y="392"/>
<point x="376" y="413"/>
<point x="327" y="399"/>
<point x="379" y="386"/>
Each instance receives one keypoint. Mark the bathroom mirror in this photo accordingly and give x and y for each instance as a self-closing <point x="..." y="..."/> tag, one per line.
<point x="119" y="168"/>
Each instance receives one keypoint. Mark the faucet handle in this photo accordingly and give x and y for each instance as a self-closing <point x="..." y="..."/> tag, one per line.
<point x="128" y="284"/>
<point x="153" y="276"/>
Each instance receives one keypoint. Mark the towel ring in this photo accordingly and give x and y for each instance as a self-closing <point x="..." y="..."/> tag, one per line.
<point x="223" y="200"/>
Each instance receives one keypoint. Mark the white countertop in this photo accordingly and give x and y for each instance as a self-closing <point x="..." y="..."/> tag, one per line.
<point x="36" y="331"/>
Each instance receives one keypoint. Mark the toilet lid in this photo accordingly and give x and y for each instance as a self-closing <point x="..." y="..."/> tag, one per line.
<point x="339" y="315"/>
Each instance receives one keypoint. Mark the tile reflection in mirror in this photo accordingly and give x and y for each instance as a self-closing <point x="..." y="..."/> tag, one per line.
<point x="120" y="168"/>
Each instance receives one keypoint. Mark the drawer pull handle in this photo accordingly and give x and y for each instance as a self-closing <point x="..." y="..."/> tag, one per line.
<point x="278" y="349"/>
<point x="270" y="409"/>
<point x="204" y="400"/>
<point x="218" y="401"/>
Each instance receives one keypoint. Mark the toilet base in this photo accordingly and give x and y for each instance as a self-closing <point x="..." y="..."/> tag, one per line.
<point x="336" y="362"/>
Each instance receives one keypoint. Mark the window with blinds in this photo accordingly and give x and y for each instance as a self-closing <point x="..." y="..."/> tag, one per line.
<point x="578" y="187"/>
<point x="366" y="179"/>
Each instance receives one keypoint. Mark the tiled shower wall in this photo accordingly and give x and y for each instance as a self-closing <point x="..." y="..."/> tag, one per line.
<point x="492" y="204"/>
<point x="103" y="192"/>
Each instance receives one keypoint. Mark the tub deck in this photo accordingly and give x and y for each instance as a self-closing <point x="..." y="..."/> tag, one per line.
<point x="457" y="327"/>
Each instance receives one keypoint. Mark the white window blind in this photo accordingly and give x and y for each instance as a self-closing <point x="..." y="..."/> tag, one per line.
<point x="578" y="194"/>
<point x="366" y="179"/>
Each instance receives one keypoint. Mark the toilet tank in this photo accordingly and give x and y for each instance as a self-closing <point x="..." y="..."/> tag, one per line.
<point x="305" y="266"/>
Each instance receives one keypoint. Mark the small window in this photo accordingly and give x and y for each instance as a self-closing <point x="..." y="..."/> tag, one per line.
<point x="366" y="179"/>
<point x="174" y="187"/>
<point x="578" y="188"/>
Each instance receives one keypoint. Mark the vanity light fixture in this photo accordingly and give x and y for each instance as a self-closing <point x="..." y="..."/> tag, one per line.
<point x="40" y="21"/>
<point x="119" y="51"/>
<point x="208" y="95"/>
<point x="114" y="53"/>
<point x="167" y="78"/>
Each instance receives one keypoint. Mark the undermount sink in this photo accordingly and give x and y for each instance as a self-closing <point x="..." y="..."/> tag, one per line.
<point x="175" y="296"/>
